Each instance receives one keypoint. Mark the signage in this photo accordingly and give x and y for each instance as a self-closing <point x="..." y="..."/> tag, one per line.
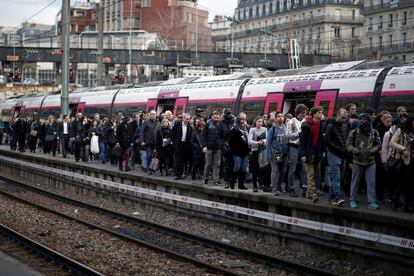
<point x="12" y="58"/>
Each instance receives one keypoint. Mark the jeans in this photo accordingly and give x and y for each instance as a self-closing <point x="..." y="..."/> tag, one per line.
<point x="277" y="169"/>
<point x="102" y="151"/>
<point x="336" y="173"/>
<point x="240" y="163"/>
<point x="145" y="155"/>
<point x="293" y="160"/>
<point x="213" y="160"/>
<point x="369" y="172"/>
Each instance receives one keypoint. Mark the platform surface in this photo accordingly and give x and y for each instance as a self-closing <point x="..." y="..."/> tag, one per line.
<point x="12" y="267"/>
<point x="384" y="214"/>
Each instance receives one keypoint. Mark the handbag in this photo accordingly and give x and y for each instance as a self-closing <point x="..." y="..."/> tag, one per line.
<point x="95" y="144"/>
<point x="394" y="164"/>
<point x="263" y="162"/>
<point x="166" y="142"/>
<point x="278" y="157"/>
<point x="155" y="164"/>
<point x="33" y="133"/>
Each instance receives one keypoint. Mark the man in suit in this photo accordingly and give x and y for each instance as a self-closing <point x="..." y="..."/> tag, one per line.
<point x="64" y="132"/>
<point x="181" y="137"/>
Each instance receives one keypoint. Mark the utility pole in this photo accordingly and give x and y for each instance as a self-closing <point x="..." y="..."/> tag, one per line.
<point x="65" y="56"/>
<point x="196" y="42"/>
<point x="130" y="43"/>
<point x="232" y="60"/>
<point x="99" y="71"/>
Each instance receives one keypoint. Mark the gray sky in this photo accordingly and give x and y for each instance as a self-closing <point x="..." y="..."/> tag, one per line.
<point x="14" y="12"/>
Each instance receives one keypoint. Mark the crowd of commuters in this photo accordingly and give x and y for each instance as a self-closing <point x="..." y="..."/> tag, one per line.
<point x="302" y="154"/>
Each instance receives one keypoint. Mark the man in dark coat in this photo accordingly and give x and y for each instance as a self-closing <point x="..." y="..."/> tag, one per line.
<point x="111" y="138"/>
<point x="181" y="137"/>
<point x="125" y="136"/>
<point x="311" y="149"/>
<point x="21" y="128"/>
<point x="226" y="124"/>
<point x="147" y="140"/>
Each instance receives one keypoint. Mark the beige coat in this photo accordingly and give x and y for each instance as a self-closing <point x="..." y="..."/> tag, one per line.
<point x="399" y="143"/>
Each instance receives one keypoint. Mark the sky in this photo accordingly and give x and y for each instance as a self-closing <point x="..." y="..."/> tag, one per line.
<point x="15" y="12"/>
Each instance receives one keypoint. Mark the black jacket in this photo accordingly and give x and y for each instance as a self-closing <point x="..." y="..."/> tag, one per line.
<point x="239" y="142"/>
<point x="109" y="134"/>
<point x="125" y="135"/>
<point x="177" y="133"/>
<point x="335" y="137"/>
<point x="60" y="129"/>
<point x="213" y="136"/>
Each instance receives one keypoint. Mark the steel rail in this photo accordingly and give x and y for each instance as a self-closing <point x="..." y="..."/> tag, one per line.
<point x="75" y="267"/>
<point x="262" y="258"/>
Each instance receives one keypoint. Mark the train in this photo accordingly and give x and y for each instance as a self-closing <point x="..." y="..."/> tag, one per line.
<point x="381" y="88"/>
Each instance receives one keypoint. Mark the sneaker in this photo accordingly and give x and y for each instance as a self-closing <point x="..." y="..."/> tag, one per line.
<point x="340" y="202"/>
<point x="205" y="182"/>
<point x="226" y="185"/>
<point x="313" y="199"/>
<point x="373" y="206"/>
<point x="277" y="193"/>
<point x="353" y="204"/>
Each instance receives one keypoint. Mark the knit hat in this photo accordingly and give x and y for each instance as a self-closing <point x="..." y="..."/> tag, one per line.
<point x="365" y="115"/>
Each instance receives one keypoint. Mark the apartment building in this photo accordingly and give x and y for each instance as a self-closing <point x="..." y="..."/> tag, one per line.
<point x="320" y="26"/>
<point x="389" y="28"/>
<point x="121" y="15"/>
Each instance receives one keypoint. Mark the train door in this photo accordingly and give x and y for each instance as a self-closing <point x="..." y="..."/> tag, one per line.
<point x="73" y="108"/>
<point x="80" y="108"/>
<point x="327" y="99"/>
<point x="17" y="111"/>
<point x="274" y="102"/>
<point x="180" y="106"/>
<point x="152" y="105"/>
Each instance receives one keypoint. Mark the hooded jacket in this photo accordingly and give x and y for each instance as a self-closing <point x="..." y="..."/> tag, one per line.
<point x="364" y="143"/>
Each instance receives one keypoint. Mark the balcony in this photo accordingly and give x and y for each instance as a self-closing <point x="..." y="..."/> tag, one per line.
<point x="307" y="22"/>
<point x="394" y="4"/>
<point x="397" y="48"/>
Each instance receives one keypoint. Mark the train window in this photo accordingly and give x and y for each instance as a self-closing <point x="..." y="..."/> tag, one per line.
<point x="273" y="107"/>
<point x="325" y="106"/>
<point x="391" y="103"/>
<point x="408" y="71"/>
<point x="395" y="72"/>
<point x="361" y="74"/>
<point x="361" y="102"/>
<point x="252" y="109"/>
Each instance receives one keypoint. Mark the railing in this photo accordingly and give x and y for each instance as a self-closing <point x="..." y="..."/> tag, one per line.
<point x="302" y="23"/>
<point x="368" y="9"/>
<point x="388" y="49"/>
<point x="357" y="3"/>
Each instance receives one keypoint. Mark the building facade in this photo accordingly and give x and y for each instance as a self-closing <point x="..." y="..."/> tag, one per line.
<point x="121" y="15"/>
<point x="83" y="17"/>
<point x="389" y="28"/>
<point x="320" y="26"/>
<point x="220" y="33"/>
<point x="181" y="24"/>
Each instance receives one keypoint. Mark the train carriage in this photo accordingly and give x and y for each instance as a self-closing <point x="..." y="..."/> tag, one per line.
<point x="382" y="88"/>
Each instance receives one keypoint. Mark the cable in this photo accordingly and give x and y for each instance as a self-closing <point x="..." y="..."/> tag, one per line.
<point x="34" y="15"/>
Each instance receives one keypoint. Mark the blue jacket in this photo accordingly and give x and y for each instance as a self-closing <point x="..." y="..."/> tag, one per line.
<point x="276" y="141"/>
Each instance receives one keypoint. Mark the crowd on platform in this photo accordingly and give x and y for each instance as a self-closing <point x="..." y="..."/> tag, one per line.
<point x="349" y="153"/>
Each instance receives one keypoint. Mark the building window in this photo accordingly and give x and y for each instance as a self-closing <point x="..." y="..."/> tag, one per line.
<point x="285" y="5"/>
<point x="370" y="24"/>
<point x="380" y="22"/>
<point x="271" y="8"/>
<point x="390" y="23"/>
<point x="264" y="11"/>
<point x="380" y="42"/>
<point x="251" y="13"/>
<point x="404" y="39"/>
<point x="353" y="31"/>
<point x="146" y="3"/>
<point x="404" y="20"/>
<point x="257" y="11"/>
<point x="353" y="15"/>
<point x="370" y="42"/>
<point x="390" y="39"/>
<point x="337" y="31"/>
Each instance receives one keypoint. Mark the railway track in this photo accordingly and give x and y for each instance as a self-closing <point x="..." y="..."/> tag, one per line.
<point x="55" y="262"/>
<point x="221" y="257"/>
